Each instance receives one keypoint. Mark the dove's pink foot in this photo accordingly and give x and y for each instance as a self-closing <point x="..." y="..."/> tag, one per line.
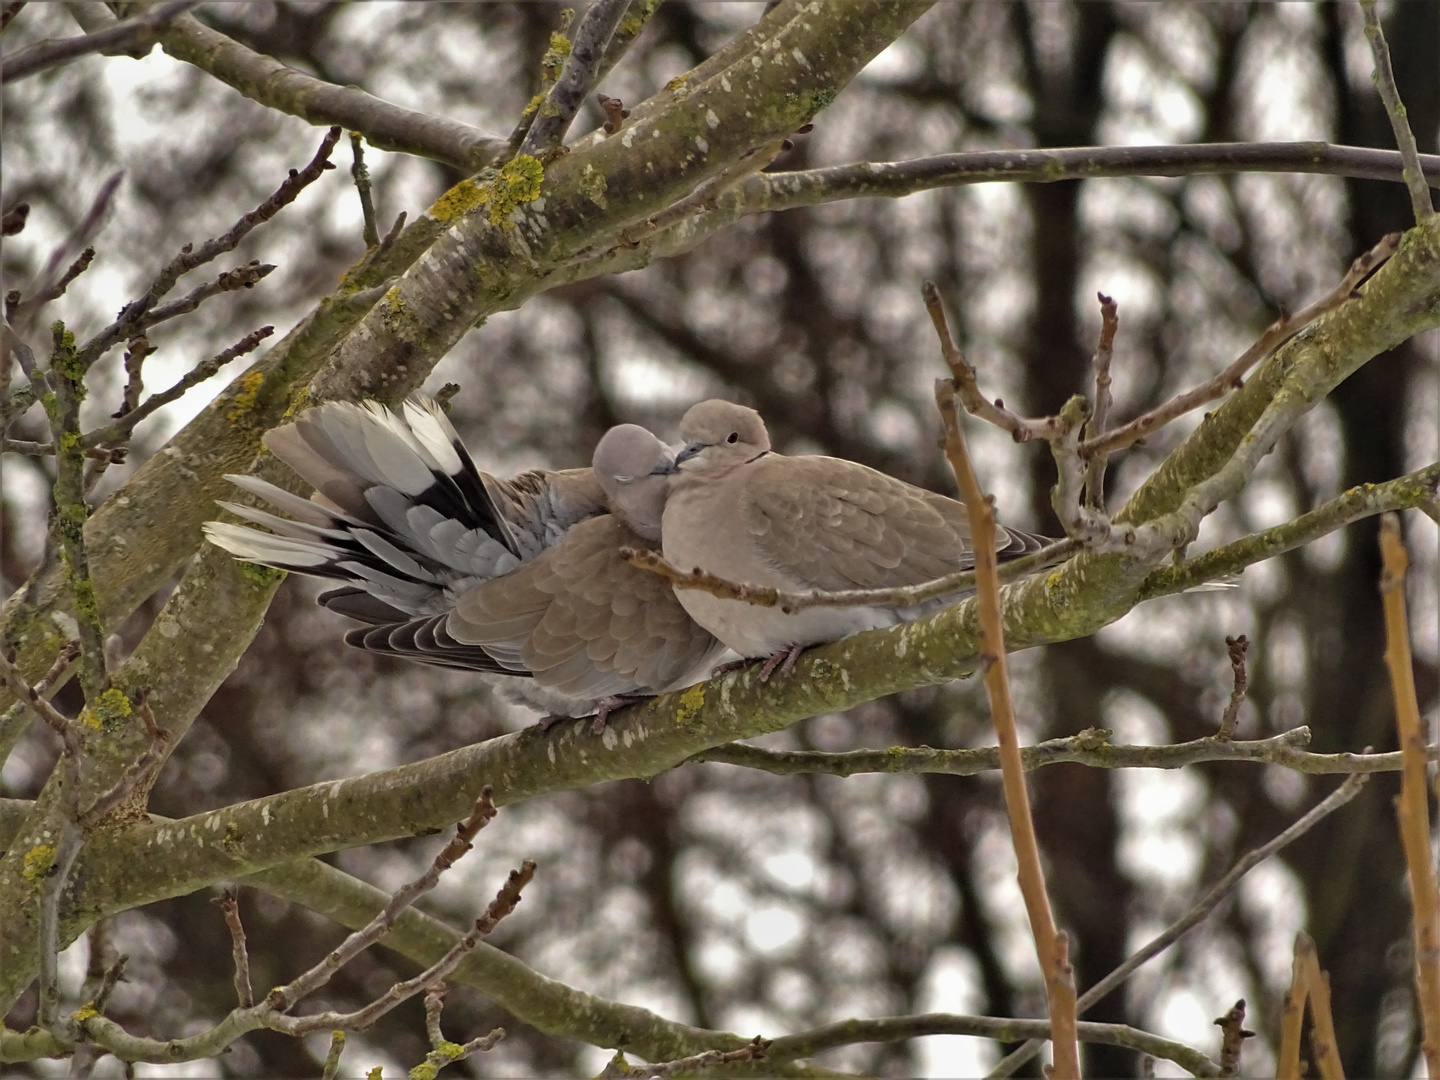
<point x="784" y="659"/>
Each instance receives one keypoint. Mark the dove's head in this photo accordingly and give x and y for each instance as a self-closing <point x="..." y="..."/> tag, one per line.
<point x="719" y="435"/>
<point x="634" y="470"/>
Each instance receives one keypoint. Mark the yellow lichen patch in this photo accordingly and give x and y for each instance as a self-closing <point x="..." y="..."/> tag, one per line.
<point x="298" y="403"/>
<point x="38" y="861"/>
<point x="691" y="702"/>
<point x="1053" y="581"/>
<point x="517" y="182"/>
<point x="459" y="201"/>
<point x="114" y="706"/>
<point x="677" y="82"/>
<point x="85" y="1012"/>
<point x="250" y="384"/>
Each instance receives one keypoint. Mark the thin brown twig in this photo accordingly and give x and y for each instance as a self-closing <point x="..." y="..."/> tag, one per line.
<point x="137" y="349"/>
<point x="1323" y="1045"/>
<point x="1237" y="648"/>
<point x="1100" y="407"/>
<point x="1411" y="171"/>
<point x="370" y="232"/>
<point x="503" y="904"/>
<point x="1412" y="804"/>
<point x="120" y="430"/>
<point x="1233" y="1036"/>
<point x="484" y="811"/>
<point x="1292" y="1018"/>
<point x="1197" y="913"/>
<point x="967" y="386"/>
<point x="765" y="596"/>
<point x="619" y="1069"/>
<point x="136" y="315"/>
<point x="68" y="730"/>
<point x="229" y="904"/>
<point x="1050" y="945"/>
<point x="71" y="247"/>
<point x="1275" y="335"/>
<point x="242" y="277"/>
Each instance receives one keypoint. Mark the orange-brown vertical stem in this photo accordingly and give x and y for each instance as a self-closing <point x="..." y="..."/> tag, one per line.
<point x="1322" y="1036"/>
<point x="1413" y="804"/>
<point x="1050" y="945"/>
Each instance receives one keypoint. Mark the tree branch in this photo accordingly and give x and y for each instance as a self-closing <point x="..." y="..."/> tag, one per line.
<point x="1413" y="805"/>
<point x="900" y="1028"/>
<point x="273" y="84"/>
<point x="122" y="36"/>
<point x="1197" y="913"/>
<point x="894" y="179"/>
<point x="1051" y="944"/>
<point x="577" y="78"/>
<point x="1395" y="110"/>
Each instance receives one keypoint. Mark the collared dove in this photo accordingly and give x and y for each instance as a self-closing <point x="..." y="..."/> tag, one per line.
<point x="453" y="567"/>
<point x="750" y="515"/>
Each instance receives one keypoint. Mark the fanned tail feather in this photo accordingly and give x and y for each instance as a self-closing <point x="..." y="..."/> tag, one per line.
<point x="400" y="512"/>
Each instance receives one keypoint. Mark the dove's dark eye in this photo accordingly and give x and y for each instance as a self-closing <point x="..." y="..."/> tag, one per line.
<point x="734" y="437"/>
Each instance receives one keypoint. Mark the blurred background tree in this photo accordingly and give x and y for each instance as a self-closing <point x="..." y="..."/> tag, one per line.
<point x="734" y="899"/>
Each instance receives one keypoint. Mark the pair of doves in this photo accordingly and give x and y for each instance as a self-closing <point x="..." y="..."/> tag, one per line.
<point x="448" y="565"/>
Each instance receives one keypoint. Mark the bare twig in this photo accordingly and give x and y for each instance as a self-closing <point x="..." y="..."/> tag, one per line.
<point x="967" y="387"/>
<point x="898" y="1028"/>
<point x="332" y="1059"/>
<point x="1091" y="747"/>
<point x="1395" y="109"/>
<point x="1197" y="914"/>
<point x="1412" y="805"/>
<point x="361" y="174"/>
<point x="138" y="314"/>
<point x="1237" y="647"/>
<point x="124" y="35"/>
<point x="951" y="585"/>
<point x="503" y="904"/>
<point x="1050" y="944"/>
<point x="68" y="730"/>
<point x="54" y="291"/>
<point x="1292" y="1018"/>
<point x="1275" y="335"/>
<point x="1413" y="490"/>
<point x="434" y="1002"/>
<point x="283" y="997"/>
<point x="120" y="430"/>
<point x="242" y="277"/>
<point x="894" y="179"/>
<point x="229" y="904"/>
<point x="1233" y="1036"/>
<point x="386" y="126"/>
<point x="138" y="349"/>
<point x="1100" y="407"/>
<point x="72" y="247"/>
<point x="577" y="78"/>
<point x="619" y="1069"/>
<point x="1323" y="1045"/>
